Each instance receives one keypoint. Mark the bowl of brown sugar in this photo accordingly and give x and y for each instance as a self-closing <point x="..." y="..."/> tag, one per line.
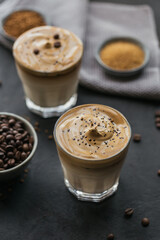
<point x="123" y="56"/>
<point x="19" y="21"/>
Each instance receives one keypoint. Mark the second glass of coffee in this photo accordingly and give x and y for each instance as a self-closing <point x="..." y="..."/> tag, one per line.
<point x="48" y="61"/>
<point x="92" y="141"/>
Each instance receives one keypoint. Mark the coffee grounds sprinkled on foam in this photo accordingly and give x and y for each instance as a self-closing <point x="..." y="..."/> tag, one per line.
<point x="103" y="129"/>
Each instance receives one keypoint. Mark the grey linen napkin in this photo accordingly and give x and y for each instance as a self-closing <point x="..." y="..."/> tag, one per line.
<point x="108" y="20"/>
<point x="93" y="23"/>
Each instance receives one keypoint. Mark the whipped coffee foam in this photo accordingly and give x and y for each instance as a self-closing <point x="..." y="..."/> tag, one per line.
<point x="93" y="132"/>
<point x="48" y="49"/>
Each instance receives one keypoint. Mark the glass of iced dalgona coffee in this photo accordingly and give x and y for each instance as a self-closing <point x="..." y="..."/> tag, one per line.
<point x="92" y="141"/>
<point x="48" y="60"/>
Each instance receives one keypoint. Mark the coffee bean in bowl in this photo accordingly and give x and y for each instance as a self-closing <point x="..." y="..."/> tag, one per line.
<point x="18" y="142"/>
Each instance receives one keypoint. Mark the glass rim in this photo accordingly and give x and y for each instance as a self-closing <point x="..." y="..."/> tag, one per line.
<point x="84" y="159"/>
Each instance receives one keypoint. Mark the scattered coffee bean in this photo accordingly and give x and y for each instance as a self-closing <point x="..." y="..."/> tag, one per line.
<point x="46" y="131"/>
<point x="36" y="51"/>
<point x="157" y="113"/>
<point x="158" y="173"/>
<point x="128" y="212"/>
<point x="36" y="124"/>
<point x="10" y="189"/>
<point x="57" y="44"/>
<point x="145" y="222"/>
<point x="21" y="180"/>
<point x="37" y="129"/>
<point x="157" y="120"/>
<point x="158" y="125"/>
<point x="137" y="137"/>
<point x="56" y="36"/>
<point x="27" y="118"/>
<point x="26" y="170"/>
<point x="50" y="137"/>
<point x="110" y="236"/>
<point x="15" y="142"/>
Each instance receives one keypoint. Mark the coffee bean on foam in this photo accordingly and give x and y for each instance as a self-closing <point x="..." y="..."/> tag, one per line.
<point x="57" y="44"/>
<point x="16" y="143"/>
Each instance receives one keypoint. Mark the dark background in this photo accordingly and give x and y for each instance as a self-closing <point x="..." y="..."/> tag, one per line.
<point x="42" y="207"/>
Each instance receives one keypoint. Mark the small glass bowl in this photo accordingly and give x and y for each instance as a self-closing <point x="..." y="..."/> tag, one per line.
<point x="123" y="73"/>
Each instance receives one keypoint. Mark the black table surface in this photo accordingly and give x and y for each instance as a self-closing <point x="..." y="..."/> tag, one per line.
<point x="42" y="207"/>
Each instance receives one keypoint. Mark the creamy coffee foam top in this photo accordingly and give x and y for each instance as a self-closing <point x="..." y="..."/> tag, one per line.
<point x="48" y="49"/>
<point x="93" y="132"/>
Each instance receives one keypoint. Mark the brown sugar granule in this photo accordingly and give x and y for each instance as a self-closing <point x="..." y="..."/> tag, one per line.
<point x="122" y="55"/>
<point x="20" y="21"/>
